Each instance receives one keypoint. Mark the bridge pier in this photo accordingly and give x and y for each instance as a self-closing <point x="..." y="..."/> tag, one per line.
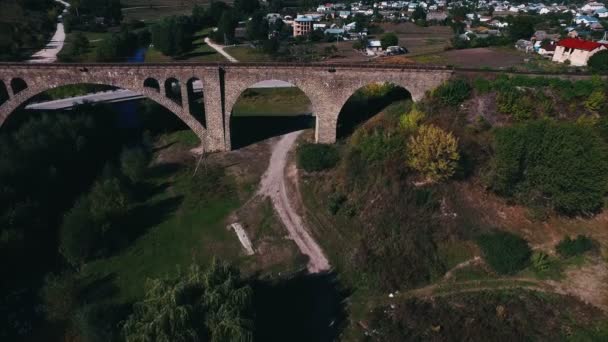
<point x="218" y="136"/>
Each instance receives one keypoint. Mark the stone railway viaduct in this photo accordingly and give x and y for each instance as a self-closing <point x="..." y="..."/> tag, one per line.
<point x="328" y="87"/>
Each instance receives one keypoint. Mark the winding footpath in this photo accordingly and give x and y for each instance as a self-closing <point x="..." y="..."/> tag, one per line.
<point x="220" y="50"/>
<point x="274" y="186"/>
<point x="54" y="46"/>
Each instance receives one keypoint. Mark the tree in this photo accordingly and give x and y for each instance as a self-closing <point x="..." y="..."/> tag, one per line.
<point x="419" y="14"/>
<point x="598" y="62"/>
<point x="257" y="27"/>
<point x="562" y="166"/>
<point x="133" y="163"/>
<point x="79" y="234"/>
<point x="521" y="27"/>
<point x="505" y="252"/>
<point x="434" y="153"/>
<point x="225" y="27"/>
<point x="173" y="35"/>
<point x="246" y="6"/>
<point x="210" y="305"/>
<point x="389" y="39"/>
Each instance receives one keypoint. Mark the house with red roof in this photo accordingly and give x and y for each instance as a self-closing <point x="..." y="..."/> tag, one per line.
<point x="576" y="51"/>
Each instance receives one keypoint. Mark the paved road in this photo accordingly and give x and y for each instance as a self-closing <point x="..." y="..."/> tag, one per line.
<point x="50" y="51"/>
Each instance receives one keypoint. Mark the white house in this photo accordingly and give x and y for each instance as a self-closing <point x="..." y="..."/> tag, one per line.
<point x="592" y="6"/>
<point x="576" y="51"/>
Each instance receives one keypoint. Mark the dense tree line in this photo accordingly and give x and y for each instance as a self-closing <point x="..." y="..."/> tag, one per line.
<point x="25" y="26"/>
<point x="93" y="15"/>
<point x="173" y="35"/>
<point x="45" y="164"/>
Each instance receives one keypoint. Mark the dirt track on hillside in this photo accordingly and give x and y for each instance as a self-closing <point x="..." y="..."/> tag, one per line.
<point x="273" y="185"/>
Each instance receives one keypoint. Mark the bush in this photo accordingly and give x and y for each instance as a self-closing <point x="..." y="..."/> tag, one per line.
<point x="79" y="234"/>
<point x="569" y="247"/>
<point x="60" y="296"/>
<point x="434" y="153"/>
<point x="599" y="61"/>
<point x="506" y="253"/>
<point x="453" y="92"/>
<point x="595" y="101"/>
<point x="133" y="163"/>
<point x="389" y="39"/>
<point x="317" y="157"/>
<point x="560" y="165"/>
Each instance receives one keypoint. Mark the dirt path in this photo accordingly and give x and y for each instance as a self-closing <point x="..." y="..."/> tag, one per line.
<point x="220" y="50"/>
<point x="273" y="185"/>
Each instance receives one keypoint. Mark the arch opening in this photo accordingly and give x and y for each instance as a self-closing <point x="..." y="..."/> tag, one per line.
<point x="3" y="93"/>
<point x="152" y="83"/>
<point x="173" y="90"/>
<point x="368" y="101"/>
<point x="196" y="100"/>
<point x="136" y="110"/>
<point x="18" y="85"/>
<point x="268" y="109"/>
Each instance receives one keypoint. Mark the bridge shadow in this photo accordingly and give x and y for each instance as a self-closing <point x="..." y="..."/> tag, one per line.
<point x="365" y="103"/>
<point x="301" y="308"/>
<point x="248" y="130"/>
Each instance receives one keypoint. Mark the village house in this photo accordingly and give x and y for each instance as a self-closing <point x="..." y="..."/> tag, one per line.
<point x="302" y="25"/>
<point x="576" y="51"/>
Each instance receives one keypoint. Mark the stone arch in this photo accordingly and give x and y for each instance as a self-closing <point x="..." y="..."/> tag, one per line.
<point x="236" y="85"/>
<point x="265" y="124"/>
<point x="3" y="93"/>
<point x="18" y="85"/>
<point x="173" y="90"/>
<point x="365" y="102"/>
<point x="14" y="102"/>
<point x="152" y="83"/>
<point x="196" y="105"/>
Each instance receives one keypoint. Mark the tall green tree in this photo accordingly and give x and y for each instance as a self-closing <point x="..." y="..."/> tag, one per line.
<point x="200" y="305"/>
<point x="257" y="27"/>
<point x="226" y="26"/>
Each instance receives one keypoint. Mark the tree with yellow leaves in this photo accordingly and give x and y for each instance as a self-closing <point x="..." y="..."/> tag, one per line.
<point x="434" y="153"/>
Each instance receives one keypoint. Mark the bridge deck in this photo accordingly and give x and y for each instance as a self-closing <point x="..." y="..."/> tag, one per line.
<point x="264" y="65"/>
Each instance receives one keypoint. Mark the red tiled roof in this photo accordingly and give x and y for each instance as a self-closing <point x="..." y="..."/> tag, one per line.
<point x="579" y="44"/>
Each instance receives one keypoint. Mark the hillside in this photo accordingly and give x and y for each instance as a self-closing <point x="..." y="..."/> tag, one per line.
<point x="519" y="205"/>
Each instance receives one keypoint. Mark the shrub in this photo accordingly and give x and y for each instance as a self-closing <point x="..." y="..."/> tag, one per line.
<point x="389" y="39"/>
<point x="560" y="165"/>
<point x="595" y="101"/>
<point x="317" y="157"/>
<point x="410" y="121"/>
<point x="569" y="247"/>
<point x="599" y="61"/>
<point x="133" y="163"/>
<point x="79" y="234"/>
<point x="60" y="296"/>
<point x="506" y="253"/>
<point x="453" y="92"/>
<point x="434" y="153"/>
<point x="540" y="261"/>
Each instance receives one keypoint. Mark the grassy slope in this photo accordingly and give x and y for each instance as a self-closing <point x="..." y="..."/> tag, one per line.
<point x="179" y="235"/>
<point x="247" y="54"/>
<point x="272" y="102"/>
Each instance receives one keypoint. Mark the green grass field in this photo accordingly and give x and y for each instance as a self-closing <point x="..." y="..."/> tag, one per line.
<point x="247" y="54"/>
<point x="272" y="102"/>
<point x="176" y="235"/>
<point x="200" y="53"/>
